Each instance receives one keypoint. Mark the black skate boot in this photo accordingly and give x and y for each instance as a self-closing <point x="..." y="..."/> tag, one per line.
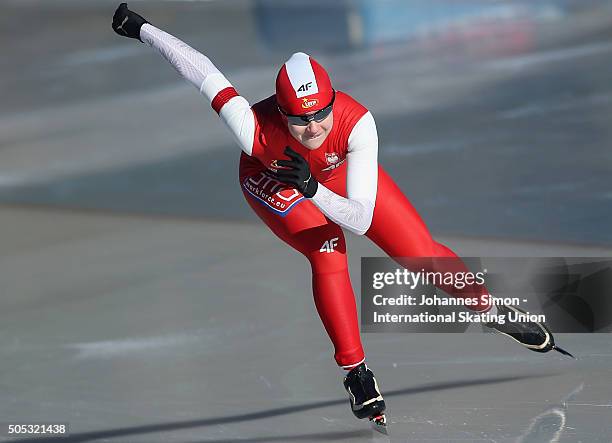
<point x="366" y="399"/>
<point x="533" y="335"/>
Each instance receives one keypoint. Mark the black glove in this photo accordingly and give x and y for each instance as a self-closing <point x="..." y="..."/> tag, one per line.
<point x="127" y="23"/>
<point x="298" y="175"/>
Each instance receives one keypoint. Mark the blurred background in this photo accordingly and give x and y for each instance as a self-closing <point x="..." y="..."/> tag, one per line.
<point x="141" y="300"/>
<point x="493" y="116"/>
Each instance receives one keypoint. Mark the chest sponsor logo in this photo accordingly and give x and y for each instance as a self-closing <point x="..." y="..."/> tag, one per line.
<point x="274" y="195"/>
<point x="308" y="103"/>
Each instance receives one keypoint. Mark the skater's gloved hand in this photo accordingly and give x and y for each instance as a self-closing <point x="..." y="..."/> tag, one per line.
<point x="127" y="23"/>
<point x="298" y="173"/>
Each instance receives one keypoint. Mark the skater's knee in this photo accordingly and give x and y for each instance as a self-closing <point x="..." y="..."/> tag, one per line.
<point x="428" y="247"/>
<point x="328" y="262"/>
<point x="441" y="250"/>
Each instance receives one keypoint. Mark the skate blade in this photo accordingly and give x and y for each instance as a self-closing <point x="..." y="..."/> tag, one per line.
<point x="379" y="423"/>
<point x="564" y="352"/>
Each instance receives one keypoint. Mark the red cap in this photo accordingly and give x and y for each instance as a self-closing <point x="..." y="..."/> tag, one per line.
<point x="302" y="85"/>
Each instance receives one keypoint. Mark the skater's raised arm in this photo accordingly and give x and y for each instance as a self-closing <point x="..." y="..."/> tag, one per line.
<point x="197" y="69"/>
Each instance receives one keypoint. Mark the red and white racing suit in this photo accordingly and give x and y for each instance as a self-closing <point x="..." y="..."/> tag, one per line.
<point x="354" y="192"/>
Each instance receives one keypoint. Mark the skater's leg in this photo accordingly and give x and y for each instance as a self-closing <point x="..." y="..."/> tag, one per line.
<point x="400" y="232"/>
<point x="325" y="248"/>
<point x="322" y="242"/>
<point x="398" y="229"/>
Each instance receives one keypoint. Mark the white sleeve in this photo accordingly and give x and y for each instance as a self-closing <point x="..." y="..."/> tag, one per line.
<point x="197" y="69"/>
<point x="356" y="211"/>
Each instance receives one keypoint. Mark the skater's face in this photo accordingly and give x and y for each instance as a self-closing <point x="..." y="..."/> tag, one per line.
<point x="314" y="133"/>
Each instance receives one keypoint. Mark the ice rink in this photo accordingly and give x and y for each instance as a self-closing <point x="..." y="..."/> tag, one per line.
<point x="142" y="301"/>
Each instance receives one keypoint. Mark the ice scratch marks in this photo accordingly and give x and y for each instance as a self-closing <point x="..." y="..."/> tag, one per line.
<point x="265" y="381"/>
<point x="102" y="55"/>
<point x="562" y="104"/>
<point x="113" y="348"/>
<point x="590" y="404"/>
<point x="543" y="57"/>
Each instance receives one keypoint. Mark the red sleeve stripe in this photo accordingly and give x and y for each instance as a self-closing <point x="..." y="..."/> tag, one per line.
<point x="222" y="98"/>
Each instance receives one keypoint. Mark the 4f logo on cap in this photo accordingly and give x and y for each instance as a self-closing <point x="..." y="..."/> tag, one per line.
<point x="305" y="87"/>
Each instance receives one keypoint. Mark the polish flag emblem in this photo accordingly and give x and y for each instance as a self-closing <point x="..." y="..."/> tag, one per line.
<point x="331" y="158"/>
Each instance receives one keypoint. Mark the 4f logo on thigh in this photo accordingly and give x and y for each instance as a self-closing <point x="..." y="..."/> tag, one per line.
<point x="329" y="245"/>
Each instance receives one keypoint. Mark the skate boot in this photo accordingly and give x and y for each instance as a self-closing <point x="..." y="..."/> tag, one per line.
<point x="366" y="400"/>
<point x="533" y="335"/>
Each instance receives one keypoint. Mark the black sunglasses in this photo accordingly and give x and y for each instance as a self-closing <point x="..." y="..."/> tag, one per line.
<point x="304" y="120"/>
